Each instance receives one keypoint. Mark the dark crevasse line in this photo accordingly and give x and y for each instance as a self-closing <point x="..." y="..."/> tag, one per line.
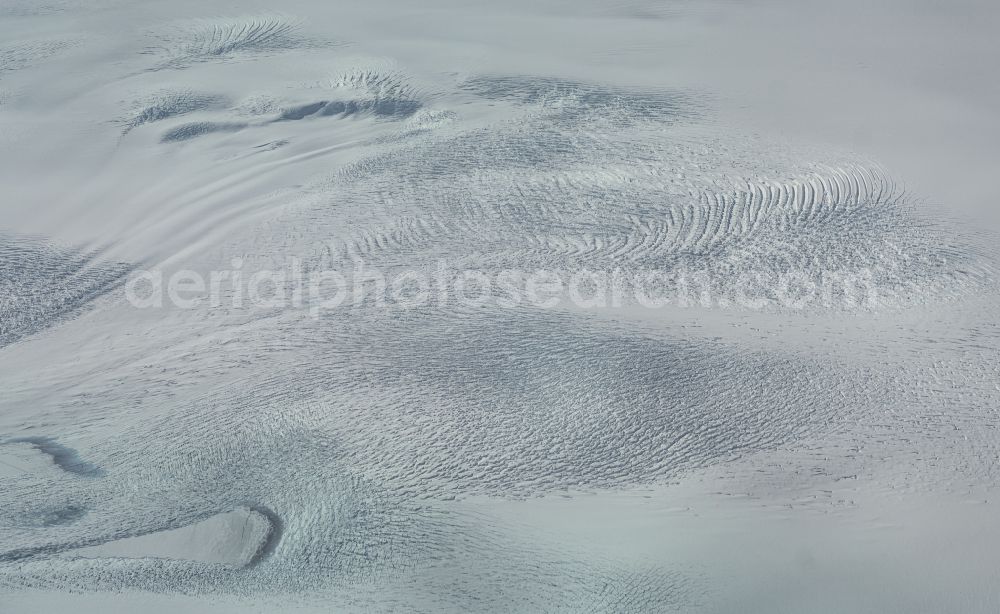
<point x="64" y="457"/>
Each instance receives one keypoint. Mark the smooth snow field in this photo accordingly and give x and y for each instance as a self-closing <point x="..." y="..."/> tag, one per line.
<point x="519" y="306"/>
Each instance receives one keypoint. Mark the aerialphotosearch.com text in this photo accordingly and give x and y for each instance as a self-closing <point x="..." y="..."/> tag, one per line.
<point x="439" y="285"/>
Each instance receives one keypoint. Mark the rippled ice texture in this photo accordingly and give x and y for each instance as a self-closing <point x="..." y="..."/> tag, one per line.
<point x="834" y="455"/>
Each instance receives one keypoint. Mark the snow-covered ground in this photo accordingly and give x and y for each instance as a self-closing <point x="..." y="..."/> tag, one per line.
<point x="549" y="306"/>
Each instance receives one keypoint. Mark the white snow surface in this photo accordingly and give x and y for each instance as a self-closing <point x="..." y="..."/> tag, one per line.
<point x="495" y="458"/>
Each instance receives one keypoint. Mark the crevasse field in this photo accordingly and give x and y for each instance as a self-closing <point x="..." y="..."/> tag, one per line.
<point x="552" y="306"/>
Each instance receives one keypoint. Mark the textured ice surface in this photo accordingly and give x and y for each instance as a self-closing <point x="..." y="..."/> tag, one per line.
<point x="42" y="284"/>
<point x="501" y="456"/>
